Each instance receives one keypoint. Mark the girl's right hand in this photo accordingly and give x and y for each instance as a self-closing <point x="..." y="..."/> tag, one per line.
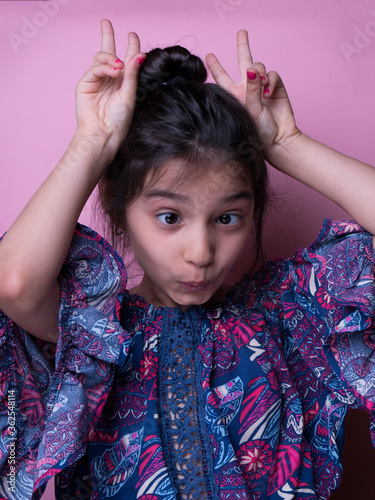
<point x="31" y="256"/>
<point x="106" y="94"/>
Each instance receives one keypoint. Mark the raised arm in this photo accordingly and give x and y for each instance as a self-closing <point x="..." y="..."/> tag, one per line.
<point x="344" y="180"/>
<point x="33" y="250"/>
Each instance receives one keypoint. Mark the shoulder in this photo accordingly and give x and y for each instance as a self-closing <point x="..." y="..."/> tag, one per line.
<point x="267" y="283"/>
<point x="341" y="248"/>
<point x="86" y="243"/>
<point x="336" y="235"/>
<point x="92" y="266"/>
<point x="341" y="253"/>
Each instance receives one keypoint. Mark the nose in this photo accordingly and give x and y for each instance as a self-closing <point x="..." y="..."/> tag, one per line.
<point x="199" y="248"/>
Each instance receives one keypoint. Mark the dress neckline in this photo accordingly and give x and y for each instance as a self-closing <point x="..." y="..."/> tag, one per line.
<point x="134" y="300"/>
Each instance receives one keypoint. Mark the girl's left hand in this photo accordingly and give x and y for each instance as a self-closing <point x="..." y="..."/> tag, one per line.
<point x="263" y="94"/>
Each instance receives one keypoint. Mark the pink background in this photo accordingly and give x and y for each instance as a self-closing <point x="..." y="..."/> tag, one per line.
<point x="324" y="50"/>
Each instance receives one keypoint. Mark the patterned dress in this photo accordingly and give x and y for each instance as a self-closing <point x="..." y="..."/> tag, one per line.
<point x="243" y="399"/>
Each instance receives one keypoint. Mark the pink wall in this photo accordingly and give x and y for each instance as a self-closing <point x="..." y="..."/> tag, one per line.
<point x="323" y="49"/>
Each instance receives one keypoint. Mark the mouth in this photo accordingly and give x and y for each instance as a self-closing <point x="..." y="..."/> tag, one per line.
<point x="195" y="286"/>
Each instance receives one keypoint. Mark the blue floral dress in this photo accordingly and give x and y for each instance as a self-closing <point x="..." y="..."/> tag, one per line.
<point x="243" y="399"/>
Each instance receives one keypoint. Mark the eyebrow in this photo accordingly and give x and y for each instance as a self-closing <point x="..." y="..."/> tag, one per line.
<point x="238" y="196"/>
<point x="164" y="193"/>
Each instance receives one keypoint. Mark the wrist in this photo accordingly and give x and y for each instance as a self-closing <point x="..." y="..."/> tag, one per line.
<point x="107" y="144"/>
<point x="281" y="151"/>
<point x="95" y="152"/>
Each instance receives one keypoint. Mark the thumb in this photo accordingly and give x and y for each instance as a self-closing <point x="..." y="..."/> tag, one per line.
<point x="253" y="101"/>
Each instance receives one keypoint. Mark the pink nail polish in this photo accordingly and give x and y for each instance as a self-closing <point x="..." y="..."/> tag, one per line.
<point x="116" y="68"/>
<point x="266" y="91"/>
<point x="251" y="75"/>
<point x="140" y="60"/>
<point x="262" y="77"/>
<point x="118" y="61"/>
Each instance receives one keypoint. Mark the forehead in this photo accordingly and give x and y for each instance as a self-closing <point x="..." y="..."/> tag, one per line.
<point x="177" y="177"/>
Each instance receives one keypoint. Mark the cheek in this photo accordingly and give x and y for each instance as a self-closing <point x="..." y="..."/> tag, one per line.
<point x="240" y="250"/>
<point x="246" y="257"/>
<point x="150" y="250"/>
<point x="240" y="242"/>
<point x="242" y="258"/>
<point x="138" y="245"/>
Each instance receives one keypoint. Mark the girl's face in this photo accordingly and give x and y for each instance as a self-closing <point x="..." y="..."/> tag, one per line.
<point x="188" y="236"/>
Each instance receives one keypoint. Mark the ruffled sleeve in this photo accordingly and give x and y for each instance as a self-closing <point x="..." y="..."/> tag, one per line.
<point x="58" y="401"/>
<point x="333" y="289"/>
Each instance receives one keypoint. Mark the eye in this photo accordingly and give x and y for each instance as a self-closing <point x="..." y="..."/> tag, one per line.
<point x="169" y="218"/>
<point x="228" y="219"/>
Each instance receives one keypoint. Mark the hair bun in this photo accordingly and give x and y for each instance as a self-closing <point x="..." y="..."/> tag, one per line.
<point x="171" y="65"/>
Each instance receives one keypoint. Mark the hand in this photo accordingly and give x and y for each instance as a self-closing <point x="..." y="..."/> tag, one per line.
<point x="263" y="94"/>
<point x="106" y="94"/>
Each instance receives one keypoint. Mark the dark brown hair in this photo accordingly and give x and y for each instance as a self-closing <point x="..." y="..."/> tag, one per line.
<point x="179" y="117"/>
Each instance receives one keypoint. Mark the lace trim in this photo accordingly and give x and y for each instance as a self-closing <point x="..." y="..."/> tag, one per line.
<point x="181" y="407"/>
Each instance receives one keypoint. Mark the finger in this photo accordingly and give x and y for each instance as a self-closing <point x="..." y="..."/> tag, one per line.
<point x="106" y="58"/>
<point x="134" y="46"/>
<point x="128" y="89"/>
<point x="245" y="59"/>
<point x="262" y="71"/>
<point x="254" y="93"/>
<point x="108" y="37"/>
<point x="219" y="74"/>
<point x="98" y="71"/>
<point x="275" y="86"/>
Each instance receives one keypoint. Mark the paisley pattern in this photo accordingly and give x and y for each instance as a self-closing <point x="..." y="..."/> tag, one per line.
<point x="243" y="399"/>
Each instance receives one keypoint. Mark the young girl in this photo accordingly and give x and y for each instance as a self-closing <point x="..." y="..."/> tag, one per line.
<point x="183" y="387"/>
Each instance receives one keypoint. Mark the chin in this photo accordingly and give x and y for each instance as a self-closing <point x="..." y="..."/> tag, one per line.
<point x="197" y="298"/>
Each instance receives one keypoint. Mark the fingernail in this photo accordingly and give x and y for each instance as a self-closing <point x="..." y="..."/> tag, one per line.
<point x="116" y="68"/>
<point x="140" y="60"/>
<point x="266" y="91"/>
<point x="262" y="77"/>
<point x="251" y="75"/>
<point x="118" y="61"/>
